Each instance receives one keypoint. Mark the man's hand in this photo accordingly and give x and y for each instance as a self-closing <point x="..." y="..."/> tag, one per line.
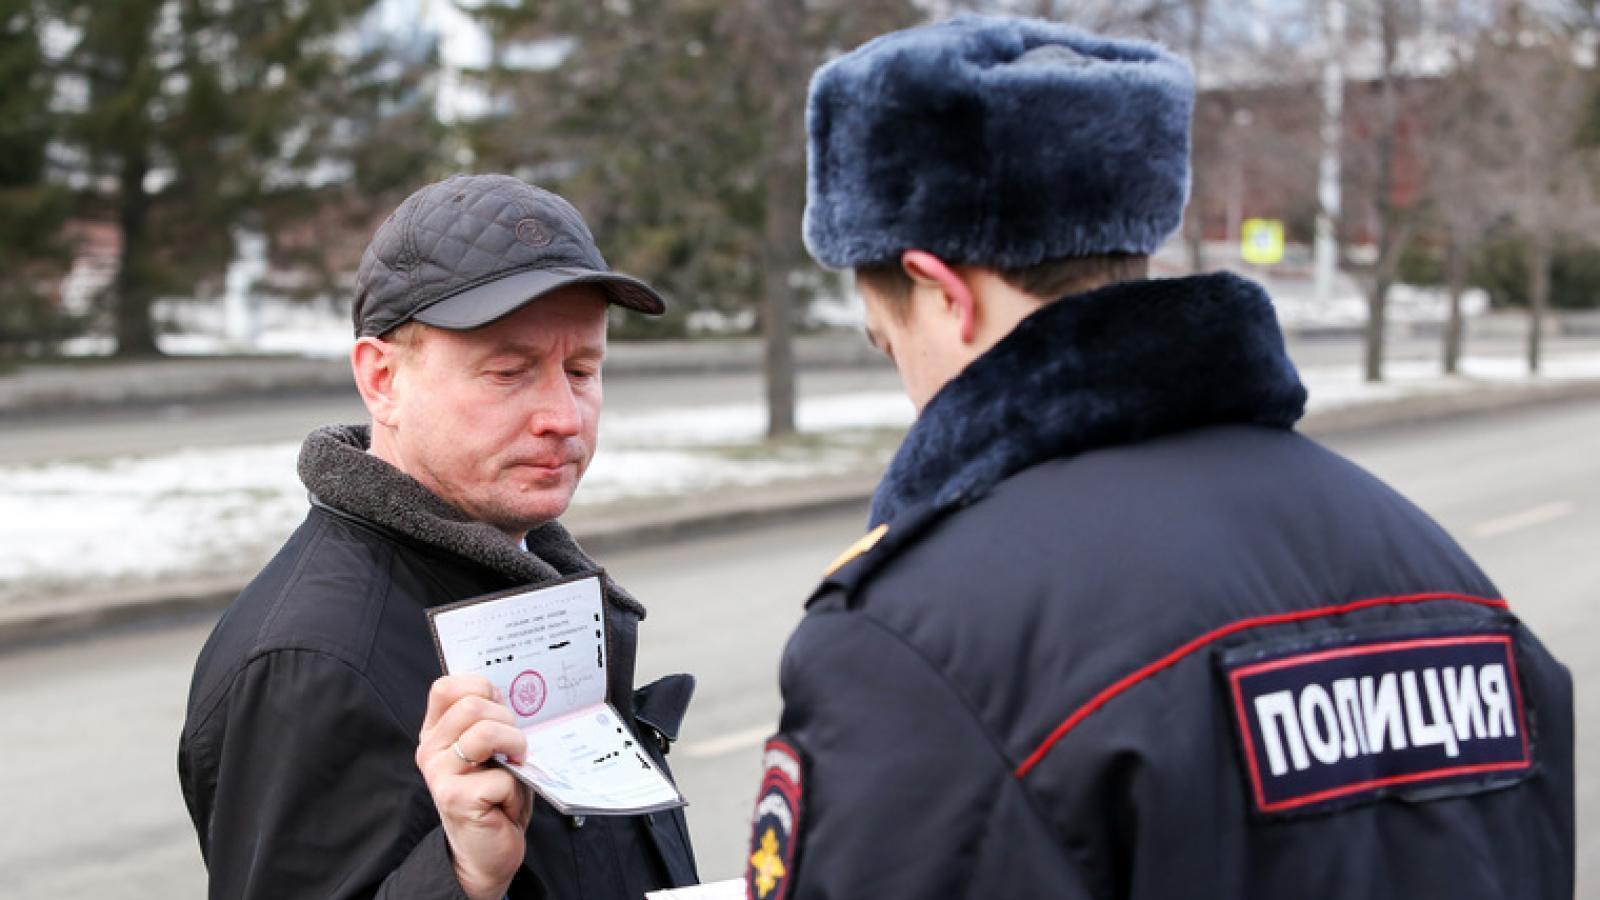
<point x="484" y="810"/>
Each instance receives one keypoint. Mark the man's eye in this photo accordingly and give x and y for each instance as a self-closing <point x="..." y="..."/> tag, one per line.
<point x="582" y="374"/>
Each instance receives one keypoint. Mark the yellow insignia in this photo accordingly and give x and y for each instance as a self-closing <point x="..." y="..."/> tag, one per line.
<point x="867" y="542"/>
<point x="767" y="865"/>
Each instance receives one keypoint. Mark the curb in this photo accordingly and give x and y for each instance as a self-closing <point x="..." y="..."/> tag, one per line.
<point x="607" y="531"/>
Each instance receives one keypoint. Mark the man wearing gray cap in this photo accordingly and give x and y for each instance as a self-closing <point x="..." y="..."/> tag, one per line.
<point x="323" y="755"/>
<point x="1117" y="630"/>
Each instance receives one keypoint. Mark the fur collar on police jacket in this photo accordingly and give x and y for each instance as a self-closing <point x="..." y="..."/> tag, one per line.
<point x="1121" y="364"/>
<point x="336" y="467"/>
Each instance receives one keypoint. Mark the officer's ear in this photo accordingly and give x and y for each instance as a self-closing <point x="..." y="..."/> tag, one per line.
<point x="929" y="273"/>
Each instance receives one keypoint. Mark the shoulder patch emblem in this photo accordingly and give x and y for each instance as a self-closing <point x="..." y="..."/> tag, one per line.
<point x="861" y="546"/>
<point x="1423" y="716"/>
<point x="776" y="827"/>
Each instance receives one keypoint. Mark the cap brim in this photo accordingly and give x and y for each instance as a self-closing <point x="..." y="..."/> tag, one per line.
<point x="478" y="306"/>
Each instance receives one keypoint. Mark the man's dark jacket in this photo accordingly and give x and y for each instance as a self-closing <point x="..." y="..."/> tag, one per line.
<point x="1127" y="635"/>
<point x="297" y="757"/>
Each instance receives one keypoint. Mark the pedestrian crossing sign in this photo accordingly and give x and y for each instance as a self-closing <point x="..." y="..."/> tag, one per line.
<point x="1262" y="242"/>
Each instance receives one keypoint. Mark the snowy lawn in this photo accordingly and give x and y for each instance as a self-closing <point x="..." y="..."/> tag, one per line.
<point x="94" y="526"/>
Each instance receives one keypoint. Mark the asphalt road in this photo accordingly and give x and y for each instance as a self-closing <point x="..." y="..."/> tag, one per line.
<point x="89" y="727"/>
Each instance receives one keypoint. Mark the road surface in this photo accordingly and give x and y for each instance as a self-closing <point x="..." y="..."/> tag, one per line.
<point x="89" y="727"/>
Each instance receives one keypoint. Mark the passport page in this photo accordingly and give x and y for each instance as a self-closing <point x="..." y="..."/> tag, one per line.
<point x="544" y="649"/>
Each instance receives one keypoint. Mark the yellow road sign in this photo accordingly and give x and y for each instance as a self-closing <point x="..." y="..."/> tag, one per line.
<point x="1261" y="241"/>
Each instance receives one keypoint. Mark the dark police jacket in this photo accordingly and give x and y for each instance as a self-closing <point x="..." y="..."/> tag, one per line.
<point x="1123" y="634"/>
<point x="297" y="757"/>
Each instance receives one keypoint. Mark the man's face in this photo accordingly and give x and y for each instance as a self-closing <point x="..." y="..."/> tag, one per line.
<point x="924" y="346"/>
<point x="501" y="421"/>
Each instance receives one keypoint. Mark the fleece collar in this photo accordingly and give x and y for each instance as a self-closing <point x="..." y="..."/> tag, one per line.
<point x="1121" y="364"/>
<point x="336" y="467"/>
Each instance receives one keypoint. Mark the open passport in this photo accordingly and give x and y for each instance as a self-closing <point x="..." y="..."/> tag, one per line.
<point x="545" y="650"/>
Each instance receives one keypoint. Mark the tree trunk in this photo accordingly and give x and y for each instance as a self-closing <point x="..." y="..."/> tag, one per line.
<point x="1196" y="240"/>
<point x="785" y="205"/>
<point x="1372" y="343"/>
<point x="1195" y="225"/>
<point x="133" y="297"/>
<point x="1456" y="264"/>
<point x="1388" y="249"/>
<point x="777" y="306"/>
<point x="1538" y="297"/>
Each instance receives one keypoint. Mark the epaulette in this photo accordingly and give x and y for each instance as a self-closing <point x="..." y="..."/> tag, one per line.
<point x="867" y="556"/>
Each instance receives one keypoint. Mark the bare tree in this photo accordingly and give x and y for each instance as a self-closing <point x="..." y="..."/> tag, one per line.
<point x="1390" y="233"/>
<point x="784" y="87"/>
<point x="1467" y="213"/>
<point x="1465" y="168"/>
<point x="784" y="40"/>
<point x="1539" y="97"/>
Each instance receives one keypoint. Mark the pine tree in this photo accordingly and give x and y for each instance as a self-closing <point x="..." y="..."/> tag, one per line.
<point x="197" y="115"/>
<point x="31" y="211"/>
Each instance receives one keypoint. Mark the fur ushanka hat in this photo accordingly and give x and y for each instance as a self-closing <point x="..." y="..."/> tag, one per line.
<point x="1000" y="142"/>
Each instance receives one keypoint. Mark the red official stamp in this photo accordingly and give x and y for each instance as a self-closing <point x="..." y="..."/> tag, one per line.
<point x="528" y="693"/>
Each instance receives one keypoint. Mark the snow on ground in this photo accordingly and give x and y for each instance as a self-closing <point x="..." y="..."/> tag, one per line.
<point x="76" y="526"/>
<point x="217" y="510"/>
<point x="198" y="328"/>
<point x="143" y="518"/>
<point x="743" y="423"/>
<point x="1340" y="387"/>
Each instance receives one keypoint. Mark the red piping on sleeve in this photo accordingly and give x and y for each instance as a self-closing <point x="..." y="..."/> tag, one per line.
<point x="1172" y="659"/>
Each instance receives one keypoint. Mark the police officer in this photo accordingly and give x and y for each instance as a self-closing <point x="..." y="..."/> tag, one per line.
<point x="1117" y="630"/>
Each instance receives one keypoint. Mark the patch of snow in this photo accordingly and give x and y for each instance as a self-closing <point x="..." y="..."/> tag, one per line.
<point x="743" y="423"/>
<point x="713" y="321"/>
<point x="1299" y="310"/>
<point x="632" y="474"/>
<point x="834" y="312"/>
<point x="140" y="519"/>
<point x="181" y="512"/>
<point x="281" y="327"/>
<point x="1338" y="387"/>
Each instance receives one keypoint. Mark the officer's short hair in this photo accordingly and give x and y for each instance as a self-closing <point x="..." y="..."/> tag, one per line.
<point x="1049" y="280"/>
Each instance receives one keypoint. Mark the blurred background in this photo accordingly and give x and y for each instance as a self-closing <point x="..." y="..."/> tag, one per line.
<point x="186" y="187"/>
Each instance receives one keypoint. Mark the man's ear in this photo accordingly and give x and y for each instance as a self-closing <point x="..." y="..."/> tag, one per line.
<point x="930" y="271"/>
<point x="375" y="363"/>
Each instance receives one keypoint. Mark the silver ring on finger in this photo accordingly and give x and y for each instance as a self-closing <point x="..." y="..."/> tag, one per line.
<point x="456" y="746"/>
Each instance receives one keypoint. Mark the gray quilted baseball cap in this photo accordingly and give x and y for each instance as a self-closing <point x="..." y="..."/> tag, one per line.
<point x="463" y="252"/>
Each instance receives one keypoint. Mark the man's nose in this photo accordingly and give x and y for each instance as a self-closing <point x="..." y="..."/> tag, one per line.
<point x="557" y="412"/>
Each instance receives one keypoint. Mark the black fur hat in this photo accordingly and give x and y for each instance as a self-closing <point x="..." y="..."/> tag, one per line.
<point x="996" y="141"/>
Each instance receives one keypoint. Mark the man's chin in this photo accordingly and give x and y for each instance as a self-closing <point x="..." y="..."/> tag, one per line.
<point x="529" y="513"/>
